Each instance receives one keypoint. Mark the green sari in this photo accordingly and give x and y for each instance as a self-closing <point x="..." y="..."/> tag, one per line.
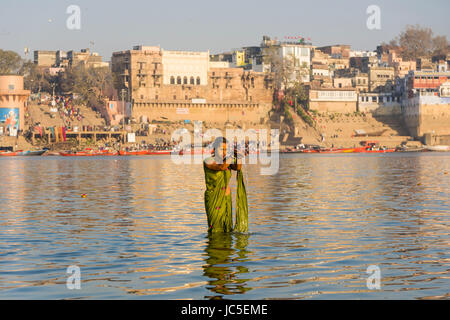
<point x="218" y="205"/>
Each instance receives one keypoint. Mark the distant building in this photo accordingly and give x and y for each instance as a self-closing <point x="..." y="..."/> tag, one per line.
<point x="362" y="54"/>
<point x="86" y="58"/>
<point x="363" y="63"/>
<point x="180" y="85"/>
<point x="333" y="100"/>
<point x="44" y="58"/>
<point x="340" y="51"/>
<point x="360" y="81"/>
<point x="425" y="64"/>
<point x="342" y="82"/>
<point x="425" y="81"/>
<point x="381" y="79"/>
<point x="401" y="68"/>
<point x="320" y="70"/>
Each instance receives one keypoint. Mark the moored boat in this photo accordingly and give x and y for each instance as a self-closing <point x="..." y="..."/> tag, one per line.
<point x="88" y="154"/>
<point x="21" y="153"/>
<point x="31" y="153"/>
<point x="8" y="154"/>
<point x="438" y="148"/>
<point x="133" y="153"/>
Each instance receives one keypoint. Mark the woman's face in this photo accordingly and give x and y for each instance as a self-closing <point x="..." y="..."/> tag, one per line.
<point x="222" y="151"/>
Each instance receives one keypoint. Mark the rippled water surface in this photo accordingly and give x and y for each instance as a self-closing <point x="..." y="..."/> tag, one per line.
<point x="141" y="232"/>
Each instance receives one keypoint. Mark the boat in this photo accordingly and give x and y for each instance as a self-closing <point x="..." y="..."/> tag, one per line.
<point x="89" y="153"/>
<point x="8" y="154"/>
<point x="379" y="150"/>
<point x="411" y="149"/>
<point x="159" y="152"/>
<point x="31" y="153"/>
<point x="133" y="153"/>
<point x="21" y="153"/>
<point x="438" y="148"/>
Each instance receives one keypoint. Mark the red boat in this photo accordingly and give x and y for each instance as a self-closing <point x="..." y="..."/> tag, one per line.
<point x="8" y="153"/>
<point x="88" y="154"/>
<point x="159" y="152"/>
<point x="133" y="153"/>
<point x="378" y="151"/>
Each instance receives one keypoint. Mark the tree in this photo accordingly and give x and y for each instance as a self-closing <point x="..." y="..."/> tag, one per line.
<point x="440" y="45"/>
<point x="35" y="79"/>
<point x="10" y="62"/>
<point x="287" y="70"/>
<point x="89" y="84"/>
<point x="418" y="42"/>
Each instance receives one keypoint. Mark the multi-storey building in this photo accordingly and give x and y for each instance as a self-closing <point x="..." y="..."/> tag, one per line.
<point x="425" y="81"/>
<point x="187" y="85"/>
<point x="381" y="79"/>
<point x="44" y="58"/>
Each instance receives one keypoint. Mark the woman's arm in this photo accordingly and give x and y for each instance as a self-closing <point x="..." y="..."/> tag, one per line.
<point x="210" y="163"/>
<point x="237" y="166"/>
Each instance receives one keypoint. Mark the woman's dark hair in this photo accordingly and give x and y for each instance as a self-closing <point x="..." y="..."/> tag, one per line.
<point x="218" y="143"/>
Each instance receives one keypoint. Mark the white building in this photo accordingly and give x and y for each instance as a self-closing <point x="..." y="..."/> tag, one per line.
<point x="185" y="65"/>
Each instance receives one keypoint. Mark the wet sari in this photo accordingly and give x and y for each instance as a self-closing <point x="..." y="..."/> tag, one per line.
<point x="218" y="205"/>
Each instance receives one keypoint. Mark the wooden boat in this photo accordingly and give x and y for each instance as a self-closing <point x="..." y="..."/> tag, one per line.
<point x="411" y="149"/>
<point x="159" y="152"/>
<point x="21" y="153"/>
<point x="31" y="153"/>
<point x="438" y="148"/>
<point x="133" y="153"/>
<point x="8" y="154"/>
<point x="88" y="154"/>
<point x="379" y="151"/>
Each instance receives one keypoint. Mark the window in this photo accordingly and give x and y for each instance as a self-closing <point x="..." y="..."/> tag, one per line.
<point x="185" y="81"/>
<point x="156" y="97"/>
<point x="172" y="80"/>
<point x="174" y="97"/>
<point x="198" y="80"/>
<point x="11" y="87"/>
<point x="192" y="81"/>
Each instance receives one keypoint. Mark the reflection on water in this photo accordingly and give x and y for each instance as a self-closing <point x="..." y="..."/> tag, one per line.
<point x="223" y="261"/>
<point x="141" y="231"/>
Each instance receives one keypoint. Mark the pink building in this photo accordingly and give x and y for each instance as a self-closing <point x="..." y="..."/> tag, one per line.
<point x="12" y="102"/>
<point x="114" y="111"/>
<point x="401" y="68"/>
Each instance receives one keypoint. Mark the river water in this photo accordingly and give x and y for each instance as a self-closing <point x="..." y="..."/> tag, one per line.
<point x="140" y="233"/>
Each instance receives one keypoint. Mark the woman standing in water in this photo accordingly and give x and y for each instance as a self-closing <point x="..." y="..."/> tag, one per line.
<point x="218" y="193"/>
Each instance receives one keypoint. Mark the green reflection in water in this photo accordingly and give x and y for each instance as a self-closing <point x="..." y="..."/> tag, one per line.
<point x="224" y="253"/>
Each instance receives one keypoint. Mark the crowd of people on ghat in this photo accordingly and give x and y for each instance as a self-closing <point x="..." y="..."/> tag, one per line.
<point x="66" y="109"/>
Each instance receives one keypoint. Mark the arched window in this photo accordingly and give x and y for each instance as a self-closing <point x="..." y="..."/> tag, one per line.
<point x="198" y="80"/>
<point x="185" y="80"/>
<point x="172" y="80"/>
<point x="178" y="80"/>
<point x="192" y="81"/>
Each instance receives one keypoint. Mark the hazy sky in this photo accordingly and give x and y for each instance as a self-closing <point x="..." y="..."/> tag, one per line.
<point x="208" y="25"/>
